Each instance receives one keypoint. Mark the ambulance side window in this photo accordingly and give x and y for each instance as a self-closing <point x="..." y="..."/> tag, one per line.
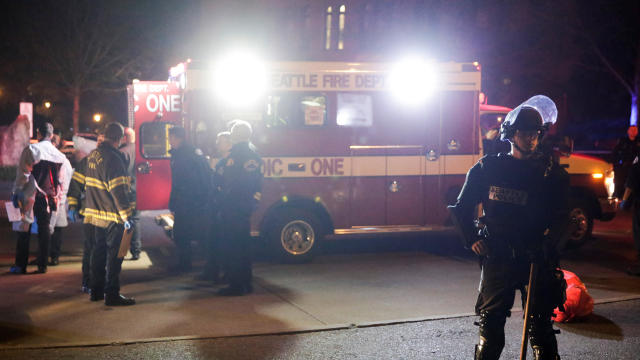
<point x="354" y="110"/>
<point x="154" y="140"/>
<point x="296" y="110"/>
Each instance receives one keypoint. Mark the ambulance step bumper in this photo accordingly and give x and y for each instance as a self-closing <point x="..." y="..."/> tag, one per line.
<point x="391" y="229"/>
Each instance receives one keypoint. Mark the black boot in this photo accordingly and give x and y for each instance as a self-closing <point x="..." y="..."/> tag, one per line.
<point x="96" y="295"/>
<point x="540" y="354"/>
<point x="484" y="351"/>
<point x="118" y="300"/>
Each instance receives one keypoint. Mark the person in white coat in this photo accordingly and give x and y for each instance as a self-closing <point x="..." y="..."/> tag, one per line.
<point x="38" y="178"/>
<point x="59" y="217"/>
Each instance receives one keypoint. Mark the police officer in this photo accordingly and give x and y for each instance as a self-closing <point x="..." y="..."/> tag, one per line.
<point x="212" y="267"/>
<point x="624" y="153"/>
<point x="108" y="209"/>
<point x="190" y="190"/>
<point x="523" y="195"/>
<point x="240" y="182"/>
<point x="631" y="201"/>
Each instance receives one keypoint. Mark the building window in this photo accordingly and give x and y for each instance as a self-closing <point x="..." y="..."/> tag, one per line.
<point x="327" y="44"/>
<point x="341" y="20"/>
<point x="332" y="27"/>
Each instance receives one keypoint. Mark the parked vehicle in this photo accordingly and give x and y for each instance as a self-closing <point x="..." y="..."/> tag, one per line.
<point x="348" y="148"/>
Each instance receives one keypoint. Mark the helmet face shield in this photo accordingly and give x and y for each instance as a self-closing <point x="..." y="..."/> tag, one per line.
<point x="547" y="114"/>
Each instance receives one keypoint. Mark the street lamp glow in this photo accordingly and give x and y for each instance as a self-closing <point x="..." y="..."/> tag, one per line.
<point x="47" y="104"/>
<point x="97" y="117"/>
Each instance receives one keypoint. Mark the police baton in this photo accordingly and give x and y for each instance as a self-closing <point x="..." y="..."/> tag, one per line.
<point x="533" y="275"/>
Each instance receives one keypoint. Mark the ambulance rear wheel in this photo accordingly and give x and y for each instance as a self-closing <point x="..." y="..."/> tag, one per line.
<point x="580" y="225"/>
<point x="295" y="236"/>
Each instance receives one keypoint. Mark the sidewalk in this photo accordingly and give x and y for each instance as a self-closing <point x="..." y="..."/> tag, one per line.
<point x="333" y="292"/>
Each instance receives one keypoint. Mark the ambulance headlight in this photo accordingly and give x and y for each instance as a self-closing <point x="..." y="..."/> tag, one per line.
<point x="240" y="78"/>
<point x="413" y="80"/>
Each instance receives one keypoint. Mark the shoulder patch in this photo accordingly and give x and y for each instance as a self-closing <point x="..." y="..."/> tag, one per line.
<point x="229" y="162"/>
<point x="251" y="165"/>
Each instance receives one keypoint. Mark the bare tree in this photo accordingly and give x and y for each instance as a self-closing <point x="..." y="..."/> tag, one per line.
<point x="81" y="46"/>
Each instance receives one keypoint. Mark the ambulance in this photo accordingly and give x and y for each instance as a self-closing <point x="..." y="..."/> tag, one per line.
<point x="348" y="148"/>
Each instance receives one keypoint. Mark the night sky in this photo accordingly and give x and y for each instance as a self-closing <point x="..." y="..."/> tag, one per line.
<point x="558" y="48"/>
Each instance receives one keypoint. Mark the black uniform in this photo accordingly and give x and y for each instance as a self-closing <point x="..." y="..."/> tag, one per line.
<point x="190" y="189"/>
<point x="522" y="200"/>
<point x="633" y="183"/>
<point x="240" y="185"/>
<point x="75" y="199"/>
<point x="624" y="153"/>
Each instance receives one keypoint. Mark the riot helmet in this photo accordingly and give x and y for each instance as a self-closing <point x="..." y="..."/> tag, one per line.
<point x="537" y="113"/>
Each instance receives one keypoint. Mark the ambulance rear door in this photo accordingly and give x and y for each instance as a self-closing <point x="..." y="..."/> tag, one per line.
<point x="154" y="107"/>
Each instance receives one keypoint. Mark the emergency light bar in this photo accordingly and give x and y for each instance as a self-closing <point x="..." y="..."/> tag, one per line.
<point x="240" y="78"/>
<point x="413" y="80"/>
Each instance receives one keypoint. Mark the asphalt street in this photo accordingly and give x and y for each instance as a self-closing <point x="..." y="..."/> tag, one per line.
<point x="612" y="332"/>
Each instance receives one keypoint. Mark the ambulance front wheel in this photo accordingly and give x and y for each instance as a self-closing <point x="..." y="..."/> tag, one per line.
<point x="295" y="235"/>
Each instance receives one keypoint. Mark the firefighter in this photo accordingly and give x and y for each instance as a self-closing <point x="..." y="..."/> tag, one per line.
<point x="128" y="149"/>
<point x="108" y="209"/>
<point x="75" y="199"/>
<point x="240" y="184"/>
<point x="190" y="191"/>
<point x="35" y="192"/>
<point x="523" y="195"/>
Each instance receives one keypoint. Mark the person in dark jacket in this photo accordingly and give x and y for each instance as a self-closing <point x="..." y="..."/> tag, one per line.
<point x="240" y="182"/>
<point x="128" y="149"/>
<point x="631" y="201"/>
<point x="623" y="154"/>
<point x="189" y="198"/>
<point x="212" y="268"/>
<point x="108" y="209"/>
<point x="524" y="196"/>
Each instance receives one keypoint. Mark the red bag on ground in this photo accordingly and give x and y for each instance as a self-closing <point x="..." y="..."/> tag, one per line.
<point x="579" y="303"/>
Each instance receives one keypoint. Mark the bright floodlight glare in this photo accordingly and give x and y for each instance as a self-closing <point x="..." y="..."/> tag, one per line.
<point x="240" y="78"/>
<point x="413" y="80"/>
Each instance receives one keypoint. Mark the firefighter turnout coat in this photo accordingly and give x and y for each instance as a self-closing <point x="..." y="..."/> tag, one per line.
<point x="105" y="180"/>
